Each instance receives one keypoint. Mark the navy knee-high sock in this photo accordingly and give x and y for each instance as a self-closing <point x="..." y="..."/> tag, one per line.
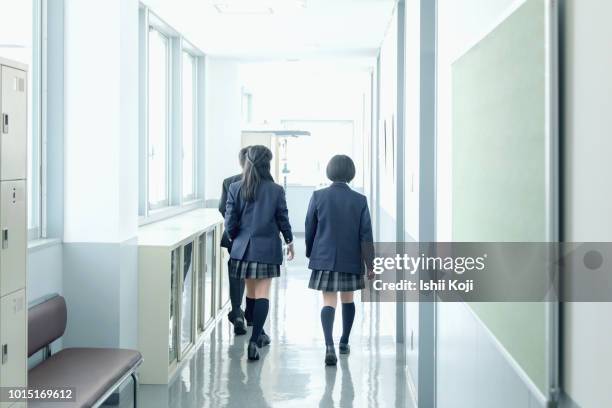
<point x="327" y="321"/>
<point x="236" y="289"/>
<point x="248" y="312"/>
<point x="348" y="315"/>
<point x="260" y="313"/>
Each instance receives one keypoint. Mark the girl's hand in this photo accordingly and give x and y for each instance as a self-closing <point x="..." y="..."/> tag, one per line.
<point x="371" y="274"/>
<point x="290" y="252"/>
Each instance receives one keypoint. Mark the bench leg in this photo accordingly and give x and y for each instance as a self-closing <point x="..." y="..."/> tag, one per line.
<point x="135" y="385"/>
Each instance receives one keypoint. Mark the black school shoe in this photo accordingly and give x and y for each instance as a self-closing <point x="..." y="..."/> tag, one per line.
<point x="263" y="340"/>
<point x="238" y="322"/>
<point x="344" y="348"/>
<point x="330" y="356"/>
<point x="239" y="327"/>
<point x="252" y="351"/>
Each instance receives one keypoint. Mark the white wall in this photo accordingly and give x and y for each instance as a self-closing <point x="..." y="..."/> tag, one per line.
<point x="413" y="111"/>
<point x="101" y="121"/>
<point x="412" y="137"/>
<point x="222" y="121"/>
<point x="45" y="271"/>
<point x="587" y="356"/>
<point x="387" y="114"/>
<point x="100" y="267"/>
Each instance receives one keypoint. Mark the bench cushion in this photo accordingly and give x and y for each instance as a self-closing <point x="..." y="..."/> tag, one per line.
<point x="46" y="323"/>
<point x="90" y="371"/>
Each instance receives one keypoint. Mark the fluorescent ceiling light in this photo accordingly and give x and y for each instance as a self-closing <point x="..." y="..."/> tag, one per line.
<point x="243" y="7"/>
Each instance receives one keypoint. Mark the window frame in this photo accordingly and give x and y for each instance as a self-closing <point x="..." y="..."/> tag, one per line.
<point x="178" y="44"/>
<point x="194" y="119"/>
<point x="168" y="131"/>
<point x="38" y="86"/>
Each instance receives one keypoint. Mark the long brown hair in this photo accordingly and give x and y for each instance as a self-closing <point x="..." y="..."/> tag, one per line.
<point x="256" y="170"/>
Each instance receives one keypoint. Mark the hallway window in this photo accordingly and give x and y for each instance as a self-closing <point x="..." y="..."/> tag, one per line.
<point x="171" y="124"/>
<point x="189" y="128"/>
<point x="158" y="120"/>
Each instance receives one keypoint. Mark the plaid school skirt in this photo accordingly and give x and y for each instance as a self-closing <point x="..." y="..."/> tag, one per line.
<point x="252" y="270"/>
<point x="329" y="281"/>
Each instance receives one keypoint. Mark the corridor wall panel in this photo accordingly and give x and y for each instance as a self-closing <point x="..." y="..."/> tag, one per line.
<point x="500" y="182"/>
<point x="587" y="191"/>
<point x="387" y="136"/>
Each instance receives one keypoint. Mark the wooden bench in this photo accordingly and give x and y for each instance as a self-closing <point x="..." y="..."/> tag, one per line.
<point x="93" y="373"/>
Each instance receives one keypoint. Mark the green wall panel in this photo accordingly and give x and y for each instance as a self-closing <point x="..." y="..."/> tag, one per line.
<point x="499" y="177"/>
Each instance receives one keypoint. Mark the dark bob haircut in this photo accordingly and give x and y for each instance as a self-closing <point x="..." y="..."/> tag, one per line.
<point x="341" y="169"/>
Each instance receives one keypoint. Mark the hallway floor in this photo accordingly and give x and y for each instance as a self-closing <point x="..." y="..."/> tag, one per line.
<point x="291" y="372"/>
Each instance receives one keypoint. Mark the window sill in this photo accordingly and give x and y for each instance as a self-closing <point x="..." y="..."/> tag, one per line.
<point x="167" y="212"/>
<point x="42" y="243"/>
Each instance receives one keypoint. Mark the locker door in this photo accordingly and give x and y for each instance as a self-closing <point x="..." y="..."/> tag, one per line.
<point x="13" y="236"/>
<point x="13" y="364"/>
<point x="13" y="129"/>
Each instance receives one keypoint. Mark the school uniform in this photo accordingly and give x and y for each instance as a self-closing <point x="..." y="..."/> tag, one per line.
<point x="255" y="228"/>
<point x="338" y="227"/>
<point x="225" y="241"/>
<point x="236" y="286"/>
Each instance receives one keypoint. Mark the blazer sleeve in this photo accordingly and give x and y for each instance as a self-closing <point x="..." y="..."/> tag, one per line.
<point x="232" y="214"/>
<point x="365" y="235"/>
<point x="282" y="217"/>
<point x="223" y="199"/>
<point x="311" y="225"/>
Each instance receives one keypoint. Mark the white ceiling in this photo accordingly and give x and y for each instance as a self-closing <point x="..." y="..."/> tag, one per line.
<point x="321" y="29"/>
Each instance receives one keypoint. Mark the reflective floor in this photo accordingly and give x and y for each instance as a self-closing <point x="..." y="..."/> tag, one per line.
<point x="291" y="372"/>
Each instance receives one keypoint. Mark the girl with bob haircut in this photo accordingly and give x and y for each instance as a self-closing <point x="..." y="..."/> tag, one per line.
<point x="256" y="215"/>
<point x="338" y="231"/>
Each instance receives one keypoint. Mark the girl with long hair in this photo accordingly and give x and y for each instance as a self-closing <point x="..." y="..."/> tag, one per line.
<point x="256" y="215"/>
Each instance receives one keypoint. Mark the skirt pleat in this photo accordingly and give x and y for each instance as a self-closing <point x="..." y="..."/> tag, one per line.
<point x="330" y="281"/>
<point x="252" y="270"/>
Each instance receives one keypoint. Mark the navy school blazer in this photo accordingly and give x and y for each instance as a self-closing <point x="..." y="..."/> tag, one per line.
<point x="225" y="241"/>
<point x="338" y="230"/>
<point x="255" y="227"/>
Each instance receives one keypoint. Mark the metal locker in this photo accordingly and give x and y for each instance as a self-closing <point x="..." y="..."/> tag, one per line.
<point x="14" y="126"/>
<point x="13" y="236"/>
<point x="13" y="340"/>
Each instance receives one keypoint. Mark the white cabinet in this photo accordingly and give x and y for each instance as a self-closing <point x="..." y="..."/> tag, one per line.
<point x="207" y="278"/>
<point x="187" y="297"/>
<point x="13" y="340"/>
<point x="13" y="236"/>
<point x="178" y="263"/>
<point x="13" y="226"/>
<point x="14" y="124"/>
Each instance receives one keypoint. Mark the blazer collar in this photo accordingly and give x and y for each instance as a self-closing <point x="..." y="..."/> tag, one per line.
<point x="340" y="184"/>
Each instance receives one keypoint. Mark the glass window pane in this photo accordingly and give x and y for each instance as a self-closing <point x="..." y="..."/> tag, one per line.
<point x="187" y="298"/>
<point x="188" y="125"/>
<point x="211" y="276"/>
<point x="173" y="321"/>
<point x="158" y="119"/>
<point x="201" y="316"/>
<point x="306" y="157"/>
